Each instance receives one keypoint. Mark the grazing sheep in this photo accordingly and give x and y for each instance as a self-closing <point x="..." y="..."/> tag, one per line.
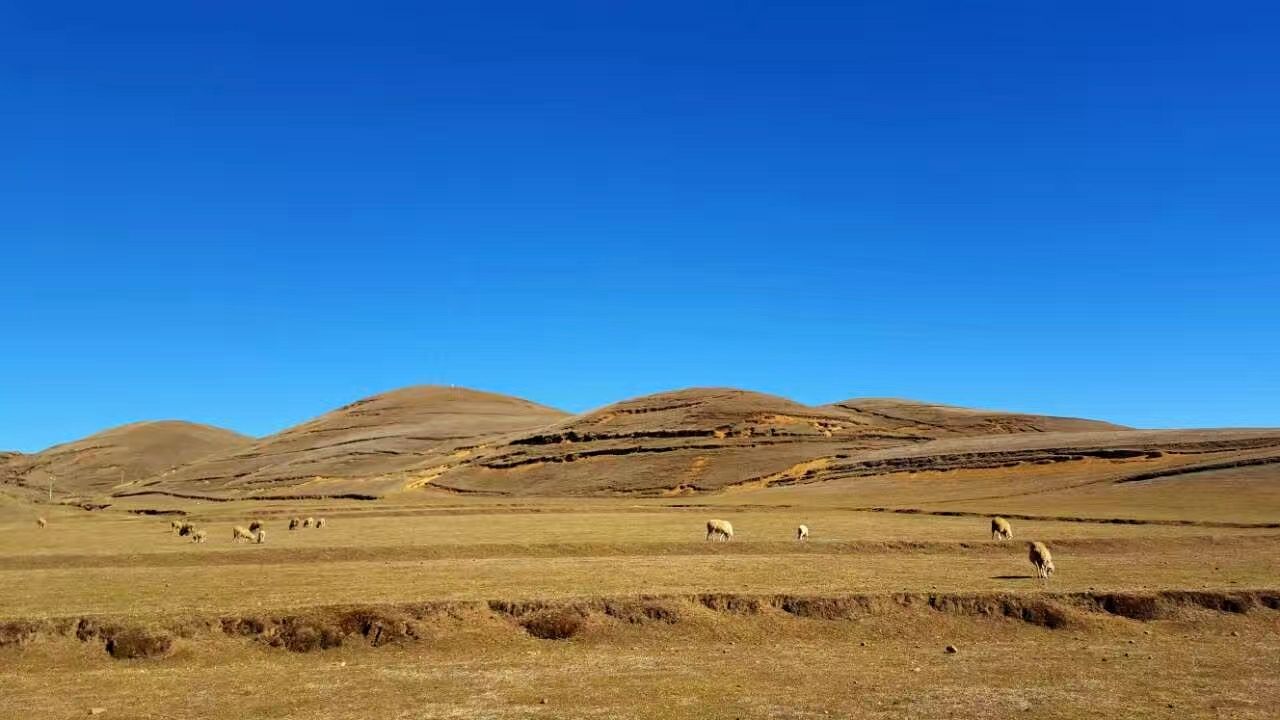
<point x="185" y="529"/>
<point x="41" y="522"/>
<point x="1039" y="556"/>
<point x="255" y="526"/>
<point x="262" y="537"/>
<point x="802" y="532"/>
<point x="173" y="525"/>
<point x="721" y="530"/>
<point x="308" y="522"/>
<point x="294" y="523"/>
<point x="319" y="523"/>
<point x="241" y="533"/>
<point x="199" y="536"/>
<point x="1001" y="529"/>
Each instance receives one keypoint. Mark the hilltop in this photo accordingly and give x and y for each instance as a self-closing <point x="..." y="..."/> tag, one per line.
<point x="349" y="449"/>
<point x="949" y="420"/>
<point x="673" y="442"/>
<point x="101" y="462"/>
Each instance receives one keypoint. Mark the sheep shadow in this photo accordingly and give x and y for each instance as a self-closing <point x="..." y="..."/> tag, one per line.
<point x="1013" y="577"/>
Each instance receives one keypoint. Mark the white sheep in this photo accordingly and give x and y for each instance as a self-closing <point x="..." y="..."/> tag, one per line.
<point x="41" y="522"/>
<point x="721" y="530"/>
<point x="319" y="523"/>
<point x="261" y="537"/>
<point x="1039" y="556"/>
<point x="294" y="523"/>
<point x="255" y="526"/>
<point x="308" y="522"/>
<point x="802" y="532"/>
<point x="1001" y="529"/>
<point x="241" y="533"/>
<point x="199" y="536"/>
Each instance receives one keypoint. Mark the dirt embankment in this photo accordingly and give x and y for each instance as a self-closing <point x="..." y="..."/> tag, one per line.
<point x="375" y="625"/>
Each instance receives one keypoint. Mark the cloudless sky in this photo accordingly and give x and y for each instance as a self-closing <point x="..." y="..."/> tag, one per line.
<point x="248" y="213"/>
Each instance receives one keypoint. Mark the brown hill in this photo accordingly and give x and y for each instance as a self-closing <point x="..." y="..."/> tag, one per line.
<point x="365" y="440"/>
<point x="706" y="440"/>
<point x="949" y="420"/>
<point x="98" y="463"/>
<point x="674" y="442"/>
<point x="758" y="447"/>
<point x="1221" y="474"/>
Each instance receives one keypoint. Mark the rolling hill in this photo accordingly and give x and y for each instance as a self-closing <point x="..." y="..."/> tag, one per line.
<point x="673" y="442"/>
<point x="97" y="464"/>
<point x="743" y="446"/>
<point x="706" y="439"/>
<point x="949" y="420"/>
<point x="353" y="448"/>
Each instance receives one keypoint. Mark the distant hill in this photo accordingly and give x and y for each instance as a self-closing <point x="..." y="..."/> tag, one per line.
<point x="948" y="420"/>
<point x="365" y="439"/>
<point x="98" y="463"/>
<point x="6" y="466"/>
<point x="698" y="440"/>
<point x="703" y="439"/>
<point x="680" y="441"/>
<point x="1192" y="475"/>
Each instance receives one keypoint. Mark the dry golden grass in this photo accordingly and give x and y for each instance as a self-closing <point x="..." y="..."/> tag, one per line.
<point x="884" y="667"/>
<point x="709" y="660"/>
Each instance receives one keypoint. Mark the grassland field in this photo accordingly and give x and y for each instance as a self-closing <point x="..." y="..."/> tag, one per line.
<point x="449" y="607"/>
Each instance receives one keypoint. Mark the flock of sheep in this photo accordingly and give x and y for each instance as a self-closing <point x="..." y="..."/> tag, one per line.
<point x="255" y="533"/>
<point x="718" y="530"/>
<point x="1038" y="552"/>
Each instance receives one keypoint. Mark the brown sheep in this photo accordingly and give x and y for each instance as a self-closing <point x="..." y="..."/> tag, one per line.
<point x="1001" y="529"/>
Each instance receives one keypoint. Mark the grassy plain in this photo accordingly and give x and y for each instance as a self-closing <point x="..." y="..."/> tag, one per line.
<point x="718" y="633"/>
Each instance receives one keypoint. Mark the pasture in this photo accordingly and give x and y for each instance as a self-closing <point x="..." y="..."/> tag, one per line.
<point x="473" y="607"/>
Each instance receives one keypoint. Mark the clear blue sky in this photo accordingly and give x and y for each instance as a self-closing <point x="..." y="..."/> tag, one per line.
<point x="249" y="213"/>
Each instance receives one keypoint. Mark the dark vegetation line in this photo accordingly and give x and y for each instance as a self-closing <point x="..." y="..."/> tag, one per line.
<point x="1205" y="467"/>
<point x="211" y="498"/>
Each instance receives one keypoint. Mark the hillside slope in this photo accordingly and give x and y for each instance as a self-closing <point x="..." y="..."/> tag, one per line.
<point x="364" y="440"/>
<point x="949" y="420"/>
<point x="98" y="463"/>
<point x="672" y="442"/>
<point x="741" y="446"/>
<point x="1188" y="475"/>
<point x="865" y="452"/>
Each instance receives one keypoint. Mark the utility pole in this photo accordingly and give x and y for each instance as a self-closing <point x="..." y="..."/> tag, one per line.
<point x="51" y="489"/>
